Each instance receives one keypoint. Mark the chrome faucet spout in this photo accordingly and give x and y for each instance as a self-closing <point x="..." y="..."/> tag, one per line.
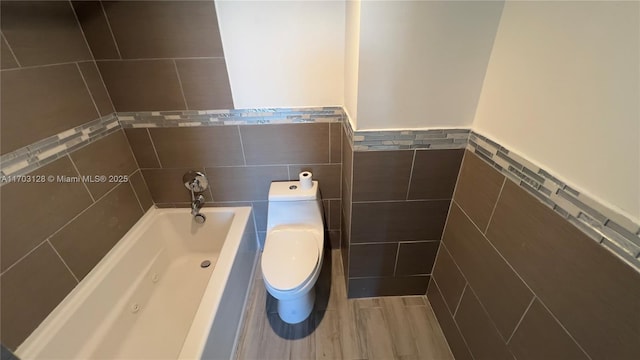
<point x="196" y="204"/>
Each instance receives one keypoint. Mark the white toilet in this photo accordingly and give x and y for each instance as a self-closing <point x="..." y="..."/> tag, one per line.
<point x="292" y="256"/>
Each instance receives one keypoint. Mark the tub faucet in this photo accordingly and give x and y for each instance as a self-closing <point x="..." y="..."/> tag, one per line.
<point x="196" y="182"/>
<point x="196" y="204"/>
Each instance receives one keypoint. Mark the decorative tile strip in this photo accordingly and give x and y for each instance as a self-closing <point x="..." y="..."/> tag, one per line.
<point x="190" y="118"/>
<point x="612" y="230"/>
<point x="31" y="157"/>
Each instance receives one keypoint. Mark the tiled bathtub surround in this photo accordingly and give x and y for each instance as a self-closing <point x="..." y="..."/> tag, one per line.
<point x="514" y="278"/>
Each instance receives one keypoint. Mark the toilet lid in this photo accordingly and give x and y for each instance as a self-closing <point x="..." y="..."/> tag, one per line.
<point x="289" y="257"/>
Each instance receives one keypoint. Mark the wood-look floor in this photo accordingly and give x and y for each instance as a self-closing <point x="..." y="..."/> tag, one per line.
<point x="402" y="327"/>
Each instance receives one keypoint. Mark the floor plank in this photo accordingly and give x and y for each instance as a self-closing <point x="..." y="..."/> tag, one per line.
<point x="396" y="315"/>
<point x="373" y="327"/>
<point x="427" y="334"/>
<point x="328" y="339"/>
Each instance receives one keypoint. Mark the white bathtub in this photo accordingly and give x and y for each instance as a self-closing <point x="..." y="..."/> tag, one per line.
<point x="149" y="298"/>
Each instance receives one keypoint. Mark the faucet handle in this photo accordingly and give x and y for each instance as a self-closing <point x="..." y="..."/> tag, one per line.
<point x="195" y="181"/>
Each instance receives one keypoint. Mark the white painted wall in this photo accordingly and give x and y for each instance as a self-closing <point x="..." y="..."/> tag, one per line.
<point x="562" y="89"/>
<point x="284" y="53"/>
<point x="351" y="59"/>
<point x="422" y="63"/>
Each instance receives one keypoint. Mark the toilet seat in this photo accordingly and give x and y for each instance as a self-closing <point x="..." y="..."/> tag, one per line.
<point x="289" y="258"/>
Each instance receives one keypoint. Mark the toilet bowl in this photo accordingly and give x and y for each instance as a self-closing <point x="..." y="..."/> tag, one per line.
<point x="292" y="256"/>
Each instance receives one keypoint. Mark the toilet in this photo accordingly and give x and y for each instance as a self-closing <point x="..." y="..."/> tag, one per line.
<point x="293" y="248"/>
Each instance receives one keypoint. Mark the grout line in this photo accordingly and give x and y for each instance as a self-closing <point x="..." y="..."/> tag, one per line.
<point x="24" y="256"/>
<point x="395" y="266"/>
<point x="86" y="85"/>
<point x="154" y="148"/>
<point x="244" y="158"/>
<point x="454" y="320"/>
<point x="526" y="310"/>
<point x="168" y="58"/>
<point x="86" y="43"/>
<point x="204" y="171"/>
<point x="80" y="175"/>
<point x="124" y="133"/>
<point x="136" y="194"/>
<point x="397" y="201"/>
<point x="11" y="50"/>
<point x="184" y="98"/>
<point x="329" y="126"/>
<point x="63" y="262"/>
<point x="413" y="162"/>
<point x="464" y="289"/>
<point x="495" y="205"/>
<point x="104" y="86"/>
<point x="113" y="37"/>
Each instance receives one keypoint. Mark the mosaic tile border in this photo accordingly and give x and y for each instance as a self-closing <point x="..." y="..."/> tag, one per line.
<point x="433" y="139"/>
<point x="189" y="118"/>
<point x="612" y="230"/>
<point x="43" y="152"/>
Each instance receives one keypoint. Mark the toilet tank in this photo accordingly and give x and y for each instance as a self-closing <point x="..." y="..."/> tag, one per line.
<point x="289" y="204"/>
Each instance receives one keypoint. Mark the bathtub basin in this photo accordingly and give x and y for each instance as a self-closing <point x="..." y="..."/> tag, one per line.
<point x="151" y="296"/>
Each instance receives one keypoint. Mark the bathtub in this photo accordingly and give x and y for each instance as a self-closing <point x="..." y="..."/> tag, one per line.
<point x="150" y="297"/>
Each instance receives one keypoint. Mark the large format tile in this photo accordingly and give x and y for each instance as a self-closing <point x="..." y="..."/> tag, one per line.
<point x="435" y="173"/>
<point x="109" y="156"/>
<point x="197" y="146"/>
<point x="481" y="336"/>
<point x="500" y="289"/>
<point x="43" y="32"/>
<point x="381" y="175"/>
<point x="141" y="190"/>
<point x="539" y="336"/>
<point x="96" y="29"/>
<point x="449" y="328"/>
<point x="55" y="93"/>
<point x="172" y="29"/>
<point x="450" y="280"/>
<point x="478" y="189"/>
<point x="372" y="260"/>
<point x="416" y="258"/>
<point x="387" y="286"/>
<point x="30" y="291"/>
<point x="31" y="212"/>
<point x="83" y="242"/>
<point x="142" y="85"/>
<point x="166" y="185"/>
<point x="328" y="177"/>
<point x="347" y="160"/>
<point x="286" y="143"/>
<point x="335" y="130"/>
<point x="205" y="83"/>
<point x="246" y="183"/>
<point x="592" y="293"/>
<point x="398" y="221"/>
<point x="96" y="87"/>
<point x="140" y="142"/>
<point x="7" y="61"/>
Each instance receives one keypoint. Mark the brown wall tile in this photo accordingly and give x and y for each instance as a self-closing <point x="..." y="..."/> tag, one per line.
<point x="96" y="87"/>
<point x="328" y="177"/>
<point x="171" y="28"/>
<point x="7" y="61"/>
<point x="478" y="189"/>
<point x="381" y="175"/>
<point x="334" y="214"/>
<point x="83" y="242"/>
<point x="205" y="83"/>
<point x="344" y="247"/>
<point x="143" y="150"/>
<point x="447" y="324"/>
<point x="591" y="292"/>
<point x="33" y="211"/>
<point x="55" y="93"/>
<point x="335" y="130"/>
<point x="387" y="286"/>
<point x="244" y="183"/>
<point x="449" y="278"/>
<point x="30" y="291"/>
<point x="166" y="186"/>
<point x="198" y="146"/>
<point x="260" y="209"/>
<point x="539" y="336"/>
<point x="109" y="156"/>
<point x="59" y="38"/>
<point x="142" y="85"/>
<point x="398" y="221"/>
<point x="500" y="290"/>
<point x="347" y="159"/>
<point x="435" y="173"/>
<point x="96" y="29"/>
<point x="286" y="143"/>
<point x="372" y="260"/>
<point x="481" y="336"/>
<point x="141" y="190"/>
<point x="416" y="258"/>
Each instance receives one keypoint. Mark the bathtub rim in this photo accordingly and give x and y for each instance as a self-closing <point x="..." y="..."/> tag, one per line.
<point x="34" y="344"/>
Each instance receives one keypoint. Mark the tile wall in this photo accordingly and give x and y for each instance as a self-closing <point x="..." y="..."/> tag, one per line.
<point x="395" y="207"/>
<point x="515" y="279"/>
<point x="158" y="55"/>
